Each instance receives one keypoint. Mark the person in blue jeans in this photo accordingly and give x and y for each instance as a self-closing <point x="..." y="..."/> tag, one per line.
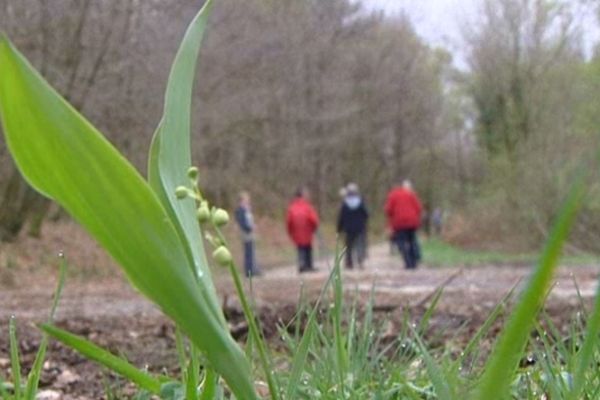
<point x="245" y="221"/>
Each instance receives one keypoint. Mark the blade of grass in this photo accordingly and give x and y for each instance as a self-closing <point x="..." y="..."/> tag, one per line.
<point x="352" y="322"/>
<point x="438" y="379"/>
<point x="429" y="311"/>
<point x="181" y="353"/>
<point x="587" y="351"/>
<point x="341" y="354"/>
<point x="193" y="373"/>
<point x="209" y="385"/>
<point x="34" y="375"/>
<point x="485" y="328"/>
<point x="103" y="357"/>
<point x="15" y="359"/>
<point x="499" y="369"/>
<point x="550" y="364"/>
<point x="302" y="350"/>
<point x="555" y="332"/>
<point x="578" y="291"/>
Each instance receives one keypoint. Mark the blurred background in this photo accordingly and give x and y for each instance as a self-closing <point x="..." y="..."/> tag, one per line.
<point x="488" y="107"/>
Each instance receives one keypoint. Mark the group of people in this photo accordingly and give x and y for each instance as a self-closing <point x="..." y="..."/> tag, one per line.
<point x="403" y="212"/>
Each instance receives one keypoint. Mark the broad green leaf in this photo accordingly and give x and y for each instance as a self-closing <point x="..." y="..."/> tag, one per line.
<point x="170" y="152"/>
<point x="64" y="157"/>
<point x="499" y="370"/>
<point x="103" y="357"/>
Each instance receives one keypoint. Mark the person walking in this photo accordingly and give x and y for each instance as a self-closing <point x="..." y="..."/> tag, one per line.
<point x="245" y="221"/>
<point x="437" y="220"/>
<point x="403" y="210"/>
<point x="352" y="222"/>
<point x="302" y="221"/>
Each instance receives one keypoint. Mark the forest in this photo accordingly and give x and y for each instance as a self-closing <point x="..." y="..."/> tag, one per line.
<point x="321" y="93"/>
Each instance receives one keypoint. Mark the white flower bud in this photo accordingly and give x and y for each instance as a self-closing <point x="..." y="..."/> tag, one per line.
<point x="181" y="192"/>
<point x="203" y="213"/>
<point x="220" y="217"/>
<point x="222" y="256"/>
<point x="192" y="173"/>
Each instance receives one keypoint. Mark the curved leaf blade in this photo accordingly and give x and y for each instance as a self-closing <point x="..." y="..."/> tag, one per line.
<point x="170" y="155"/>
<point x="63" y="156"/>
<point x="103" y="357"/>
<point x="170" y="152"/>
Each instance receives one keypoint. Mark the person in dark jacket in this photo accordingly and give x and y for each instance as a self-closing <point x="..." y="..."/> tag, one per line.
<point x="403" y="210"/>
<point x="352" y="222"/>
<point x="245" y="221"/>
<point x="302" y="222"/>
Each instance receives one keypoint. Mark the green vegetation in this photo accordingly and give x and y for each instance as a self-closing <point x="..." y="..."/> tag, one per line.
<point x="28" y="391"/>
<point x="438" y="253"/>
<point x="334" y="351"/>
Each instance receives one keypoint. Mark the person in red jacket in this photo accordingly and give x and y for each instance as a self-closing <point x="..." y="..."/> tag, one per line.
<point x="302" y="222"/>
<point x="403" y="210"/>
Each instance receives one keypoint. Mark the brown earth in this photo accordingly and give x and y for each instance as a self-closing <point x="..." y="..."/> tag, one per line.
<point x="103" y="308"/>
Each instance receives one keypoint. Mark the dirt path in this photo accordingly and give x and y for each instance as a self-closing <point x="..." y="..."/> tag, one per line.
<point x="390" y="282"/>
<point x="113" y="298"/>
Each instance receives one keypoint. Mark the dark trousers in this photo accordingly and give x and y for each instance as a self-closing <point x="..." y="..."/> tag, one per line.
<point x="406" y="240"/>
<point x="305" y="258"/>
<point x="356" y="248"/>
<point x="250" y="267"/>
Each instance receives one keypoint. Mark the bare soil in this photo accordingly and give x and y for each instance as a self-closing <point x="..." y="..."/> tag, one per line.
<point x="102" y="306"/>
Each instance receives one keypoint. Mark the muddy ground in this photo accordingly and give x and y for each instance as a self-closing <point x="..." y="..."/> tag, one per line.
<point x="103" y="308"/>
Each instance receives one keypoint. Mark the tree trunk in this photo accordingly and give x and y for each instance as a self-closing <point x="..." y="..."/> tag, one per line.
<point x="20" y="202"/>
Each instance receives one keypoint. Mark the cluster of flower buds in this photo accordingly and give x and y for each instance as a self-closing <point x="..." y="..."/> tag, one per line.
<point x="204" y="213"/>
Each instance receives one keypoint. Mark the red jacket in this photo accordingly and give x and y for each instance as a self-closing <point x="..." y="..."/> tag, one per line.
<point x="403" y="209"/>
<point x="302" y="221"/>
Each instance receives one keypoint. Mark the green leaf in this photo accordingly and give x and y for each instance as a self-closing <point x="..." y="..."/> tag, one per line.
<point x="499" y="369"/>
<point x="103" y="357"/>
<point x="170" y="152"/>
<point x="64" y="157"/>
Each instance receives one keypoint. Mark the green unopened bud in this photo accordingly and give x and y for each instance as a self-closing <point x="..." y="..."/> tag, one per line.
<point x="220" y="217"/>
<point x="203" y="213"/>
<point x="181" y="192"/>
<point x="192" y="173"/>
<point x="222" y="256"/>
